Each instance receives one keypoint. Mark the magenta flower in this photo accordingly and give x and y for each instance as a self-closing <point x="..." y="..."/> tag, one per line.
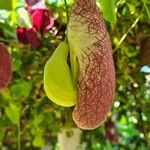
<point x="28" y="36"/>
<point x="21" y="34"/>
<point x="42" y="20"/>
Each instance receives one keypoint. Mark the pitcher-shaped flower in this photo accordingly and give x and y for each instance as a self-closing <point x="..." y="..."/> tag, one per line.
<point x="90" y="47"/>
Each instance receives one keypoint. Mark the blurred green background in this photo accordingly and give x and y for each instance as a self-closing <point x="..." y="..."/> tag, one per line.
<point x="30" y="121"/>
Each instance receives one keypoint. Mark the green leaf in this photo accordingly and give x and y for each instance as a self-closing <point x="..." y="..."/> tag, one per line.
<point x="38" y="119"/>
<point x="108" y="7"/>
<point x="14" y="4"/>
<point x="7" y="4"/>
<point x="4" y="121"/>
<point x="24" y="19"/>
<point x="13" y="113"/>
<point x="9" y="32"/>
<point x="147" y="8"/>
<point x="1" y="135"/>
<point x="16" y="64"/>
<point x="21" y="88"/>
<point x="5" y="98"/>
<point x="38" y="141"/>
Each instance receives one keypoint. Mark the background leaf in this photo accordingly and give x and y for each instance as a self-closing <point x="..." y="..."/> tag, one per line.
<point x="108" y="8"/>
<point x="38" y="141"/>
<point x="147" y="7"/>
<point x="13" y="113"/>
<point x="7" y="4"/>
<point x="21" y="88"/>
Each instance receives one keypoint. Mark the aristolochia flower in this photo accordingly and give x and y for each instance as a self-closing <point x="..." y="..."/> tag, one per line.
<point x="90" y="47"/>
<point x="89" y="83"/>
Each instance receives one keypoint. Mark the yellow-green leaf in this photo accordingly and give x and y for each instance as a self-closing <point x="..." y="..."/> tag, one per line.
<point x="6" y="4"/>
<point x="13" y="112"/>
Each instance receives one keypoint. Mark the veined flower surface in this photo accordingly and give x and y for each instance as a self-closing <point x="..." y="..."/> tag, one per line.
<point x="89" y="42"/>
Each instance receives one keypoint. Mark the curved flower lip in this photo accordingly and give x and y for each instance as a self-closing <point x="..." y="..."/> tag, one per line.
<point x="42" y="19"/>
<point x="28" y="36"/>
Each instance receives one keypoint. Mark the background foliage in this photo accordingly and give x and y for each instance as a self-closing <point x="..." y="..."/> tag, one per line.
<point x="30" y="120"/>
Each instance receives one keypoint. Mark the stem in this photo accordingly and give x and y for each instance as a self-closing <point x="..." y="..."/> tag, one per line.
<point x="145" y="5"/>
<point x="125" y="35"/>
<point x="66" y="8"/>
<point x="73" y="58"/>
<point x="19" y="146"/>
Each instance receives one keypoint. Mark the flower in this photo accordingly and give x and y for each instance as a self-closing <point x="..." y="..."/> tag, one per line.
<point x="28" y="36"/>
<point x="90" y="49"/>
<point x="21" y="34"/>
<point x="41" y="19"/>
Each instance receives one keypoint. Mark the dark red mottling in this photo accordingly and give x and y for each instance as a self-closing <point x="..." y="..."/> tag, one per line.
<point x="5" y="67"/>
<point x="111" y="131"/>
<point x="28" y="36"/>
<point x="33" y="38"/>
<point x="96" y="89"/>
<point x="42" y="20"/>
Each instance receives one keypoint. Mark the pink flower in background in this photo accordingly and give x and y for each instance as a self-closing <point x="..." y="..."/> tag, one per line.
<point x="28" y="36"/>
<point x="21" y="34"/>
<point x="33" y="39"/>
<point x="42" y="19"/>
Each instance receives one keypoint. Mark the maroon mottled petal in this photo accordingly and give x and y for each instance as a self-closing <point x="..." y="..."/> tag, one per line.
<point x="96" y="87"/>
<point x="5" y="67"/>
